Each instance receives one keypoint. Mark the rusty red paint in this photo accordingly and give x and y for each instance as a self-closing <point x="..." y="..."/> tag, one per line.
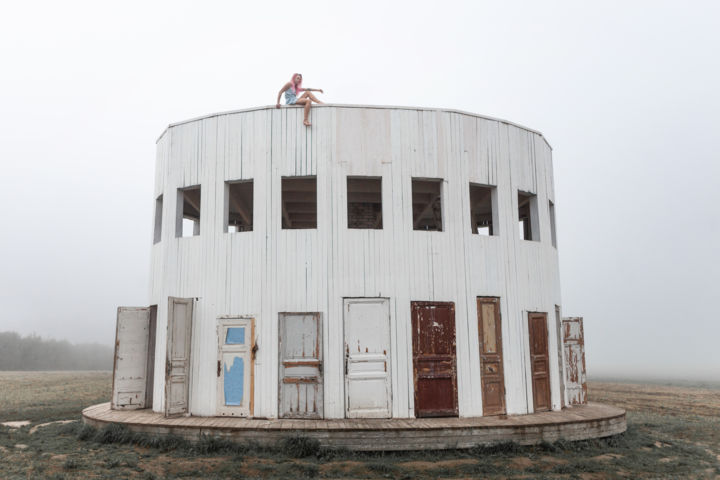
<point x="434" y="359"/>
<point x="574" y="340"/>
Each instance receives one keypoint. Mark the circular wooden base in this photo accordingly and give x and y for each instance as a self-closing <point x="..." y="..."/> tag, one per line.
<point x="579" y="422"/>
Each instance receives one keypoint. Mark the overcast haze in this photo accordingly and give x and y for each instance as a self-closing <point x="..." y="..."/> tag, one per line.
<point x="627" y="93"/>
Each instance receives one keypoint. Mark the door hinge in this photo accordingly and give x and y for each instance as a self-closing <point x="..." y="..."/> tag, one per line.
<point x="219" y="369"/>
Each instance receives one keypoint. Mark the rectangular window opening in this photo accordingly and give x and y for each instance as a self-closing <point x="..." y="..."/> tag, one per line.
<point x="299" y="202"/>
<point x="239" y="206"/>
<point x="188" y="210"/>
<point x="528" y="216"/>
<point x="427" y="204"/>
<point x="364" y="202"/>
<point x="553" y="236"/>
<point x="483" y="213"/>
<point x="157" y="231"/>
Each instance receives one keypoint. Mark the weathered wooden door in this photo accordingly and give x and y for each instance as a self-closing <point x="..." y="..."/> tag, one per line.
<point x="367" y="358"/>
<point x="235" y="366"/>
<point x="491" y="356"/>
<point x="434" y="359"/>
<point x="177" y="365"/>
<point x="132" y="333"/>
<point x="301" y="368"/>
<point x="576" y="383"/>
<point x="539" y="361"/>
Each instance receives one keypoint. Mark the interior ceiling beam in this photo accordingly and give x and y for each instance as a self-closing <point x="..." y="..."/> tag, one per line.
<point x="240" y="208"/>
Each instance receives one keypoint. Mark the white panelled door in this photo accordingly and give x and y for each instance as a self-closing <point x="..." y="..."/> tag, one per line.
<point x="177" y="366"/>
<point x="368" y="392"/>
<point x="131" y="352"/>
<point x="234" y="368"/>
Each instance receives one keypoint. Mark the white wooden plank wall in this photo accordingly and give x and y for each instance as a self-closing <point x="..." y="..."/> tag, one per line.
<point x="270" y="270"/>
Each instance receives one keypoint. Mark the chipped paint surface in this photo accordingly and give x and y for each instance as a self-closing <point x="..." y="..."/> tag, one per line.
<point x="301" y="369"/>
<point x="576" y="379"/>
<point x="434" y="359"/>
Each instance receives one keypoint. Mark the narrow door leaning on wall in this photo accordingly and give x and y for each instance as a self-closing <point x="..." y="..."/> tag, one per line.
<point x="539" y="361"/>
<point x="491" y="356"/>
<point x="434" y="359"/>
<point x="132" y="337"/>
<point x="177" y="366"/>
<point x="301" y="368"/>
<point x="235" y="366"/>
<point x="575" y="358"/>
<point x="367" y="358"/>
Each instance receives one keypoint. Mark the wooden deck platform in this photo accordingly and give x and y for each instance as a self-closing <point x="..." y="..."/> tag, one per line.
<point x="576" y="423"/>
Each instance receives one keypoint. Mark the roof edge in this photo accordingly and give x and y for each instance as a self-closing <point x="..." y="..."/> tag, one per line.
<point x="342" y="105"/>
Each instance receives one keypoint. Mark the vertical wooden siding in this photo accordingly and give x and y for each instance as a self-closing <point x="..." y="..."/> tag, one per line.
<point x="270" y="270"/>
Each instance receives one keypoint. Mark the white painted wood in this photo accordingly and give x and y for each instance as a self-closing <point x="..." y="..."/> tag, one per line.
<point x="368" y="369"/>
<point x="234" y="373"/>
<point x="130" y="365"/>
<point x="271" y="270"/>
<point x="301" y="367"/>
<point x="177" y="370"/>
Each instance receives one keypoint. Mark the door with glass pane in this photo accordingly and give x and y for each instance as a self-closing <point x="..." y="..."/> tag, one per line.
<point x="235" y="366"/>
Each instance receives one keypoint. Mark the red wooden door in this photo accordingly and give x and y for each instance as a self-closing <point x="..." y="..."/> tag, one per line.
<point x="491" y="356"/>
<point x="434" y="360"/>
<point x="539" y="361"/>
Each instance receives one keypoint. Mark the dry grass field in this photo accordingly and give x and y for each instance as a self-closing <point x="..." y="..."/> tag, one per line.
<point x="673" y="432"/>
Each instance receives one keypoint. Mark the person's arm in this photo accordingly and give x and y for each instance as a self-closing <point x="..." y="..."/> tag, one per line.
<point x="313" y="90"/>
<point x="282" y="90"/>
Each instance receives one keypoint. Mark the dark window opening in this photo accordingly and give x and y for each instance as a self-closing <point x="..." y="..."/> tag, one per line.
<point x="239" y="206"/>
<point x="427" y="204"/>
<point x="157" y="231"/>
<point x="299" y="202"/>
<point x="364" y="202"/>
<point x="553" y="237"/>
<point x="188" y="219"/>
<point x="482" y="210"/>
<point x="528" y="216"/>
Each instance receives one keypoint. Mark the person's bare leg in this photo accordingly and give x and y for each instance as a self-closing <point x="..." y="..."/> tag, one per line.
<point x="311" y="97"/>
<point x="306" y="103"/>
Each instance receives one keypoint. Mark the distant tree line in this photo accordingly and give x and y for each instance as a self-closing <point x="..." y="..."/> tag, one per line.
<point x="35" y="353"/>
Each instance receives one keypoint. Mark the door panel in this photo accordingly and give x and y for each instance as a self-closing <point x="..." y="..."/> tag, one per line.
<point x="575" y="357"/>
<point x="434" y="359"/>
<point x="301" y="369"/>
<point x="235" y="366"/>
<point x="177" y="366"/>
<point x="491" y="356"/>
<point x="540" y="364"/>
<point x="367" y="358"/>
<point x="132" y="337"/>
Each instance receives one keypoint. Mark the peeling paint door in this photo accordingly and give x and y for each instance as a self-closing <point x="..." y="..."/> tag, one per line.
<point x="575" y="357"/>
<point x="177" y="366"/>
<point x="540" y="364"/>
<point x="131" y="354"/>
<point x="491" y="356"/>
<point x="434" y="359"/>
<point x="367" y="358"/>
<point x="235" y="366"/>
<point x="301" y="368"/>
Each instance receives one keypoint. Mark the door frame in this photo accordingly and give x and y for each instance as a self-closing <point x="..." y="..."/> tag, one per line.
<point x="227" y="321"/>
<point x="388" y="357"/>
<point x="172" y="301"/>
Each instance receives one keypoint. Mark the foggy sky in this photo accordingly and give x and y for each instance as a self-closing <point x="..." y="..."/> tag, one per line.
<point x="627" y="93"/>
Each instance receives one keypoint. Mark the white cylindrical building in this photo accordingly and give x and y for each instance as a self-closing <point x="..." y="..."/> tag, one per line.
<point x="385" y="262"/>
